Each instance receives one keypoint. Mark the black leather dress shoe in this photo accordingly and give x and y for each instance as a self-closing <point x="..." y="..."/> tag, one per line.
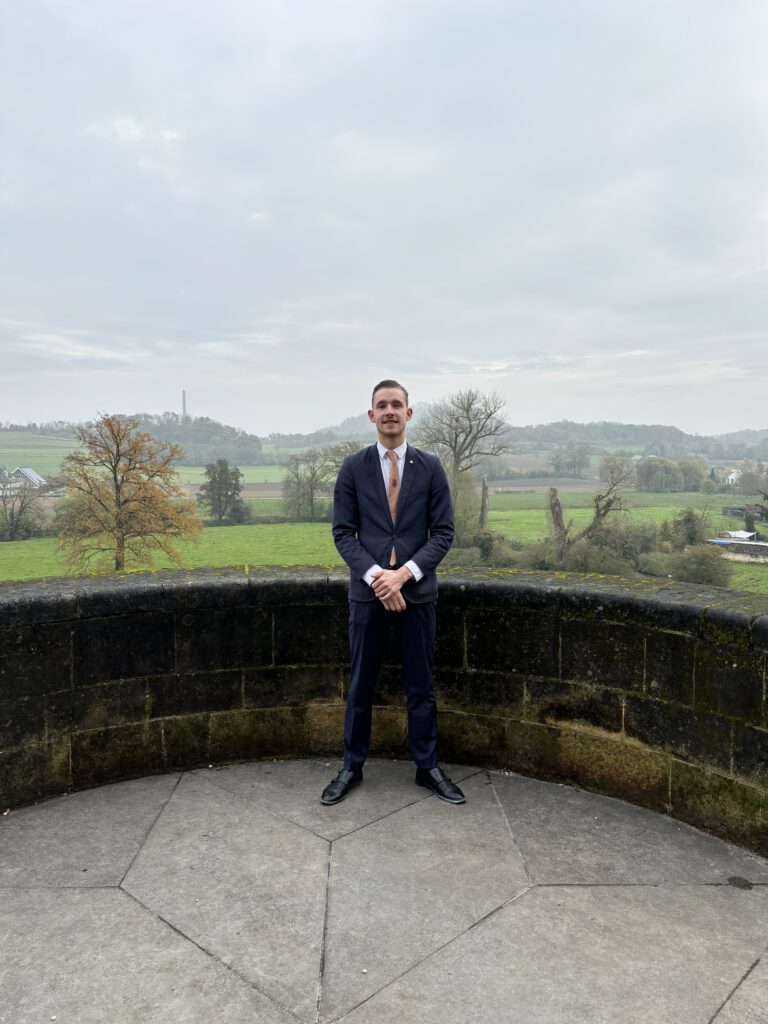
<point x="436" y="780"/>
<point x="340" y="787"/>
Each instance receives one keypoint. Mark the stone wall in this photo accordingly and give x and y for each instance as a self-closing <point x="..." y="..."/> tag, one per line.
<point x="648" y="691"/>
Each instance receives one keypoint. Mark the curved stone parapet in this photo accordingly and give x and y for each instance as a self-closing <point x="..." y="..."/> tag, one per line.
<point x="649" y="691"/>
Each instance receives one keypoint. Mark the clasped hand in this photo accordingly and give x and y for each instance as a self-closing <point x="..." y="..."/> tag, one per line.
<point x="387" y="585"/>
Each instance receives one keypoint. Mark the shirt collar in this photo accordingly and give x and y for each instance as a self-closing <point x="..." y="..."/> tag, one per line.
<point x="401" y="449"/>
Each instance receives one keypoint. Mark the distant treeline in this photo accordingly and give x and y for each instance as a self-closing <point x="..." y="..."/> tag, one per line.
<point x="204" y="440"/>
<point x="664" y="441"/>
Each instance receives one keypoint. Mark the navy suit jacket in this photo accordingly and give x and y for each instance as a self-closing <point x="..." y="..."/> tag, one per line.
<point x="363" y="530"/>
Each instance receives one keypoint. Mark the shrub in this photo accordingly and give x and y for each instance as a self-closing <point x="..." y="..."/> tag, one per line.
<point x="702" y="563"/>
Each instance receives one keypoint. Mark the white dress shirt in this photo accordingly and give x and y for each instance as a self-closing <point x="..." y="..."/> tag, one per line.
<point x="385" y="463"/>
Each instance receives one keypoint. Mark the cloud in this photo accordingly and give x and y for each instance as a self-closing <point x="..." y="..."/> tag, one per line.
<point x="390" y="158"/>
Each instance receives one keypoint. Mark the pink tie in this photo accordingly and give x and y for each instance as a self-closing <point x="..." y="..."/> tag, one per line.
<point x="392" y="495"/>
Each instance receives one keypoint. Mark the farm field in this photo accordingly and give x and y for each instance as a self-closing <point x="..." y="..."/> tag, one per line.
<point x="251" y="474"/>
<point x="521" y="516"/>
<point x="524" y="516"/>
<point x="43" y="454"/>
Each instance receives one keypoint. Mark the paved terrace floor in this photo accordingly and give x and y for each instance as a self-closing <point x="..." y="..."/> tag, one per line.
<point x="230" y="896"/>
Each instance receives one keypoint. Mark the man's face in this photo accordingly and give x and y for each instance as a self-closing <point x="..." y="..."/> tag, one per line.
<point x="390" y="414"/>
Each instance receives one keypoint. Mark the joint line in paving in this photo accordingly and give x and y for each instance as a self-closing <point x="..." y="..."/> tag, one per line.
<point x="734" y="990"/>
<point x="509" y="829"/>
<point x="434" y="952"/>
<point x="212" y="956"/>
<point x="147" y="834"/>
<point x="256" y="803"/>
<point x="321" y="970"/>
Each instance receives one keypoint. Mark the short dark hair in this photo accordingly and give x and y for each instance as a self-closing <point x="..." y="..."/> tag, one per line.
<point x="388" y="384"/>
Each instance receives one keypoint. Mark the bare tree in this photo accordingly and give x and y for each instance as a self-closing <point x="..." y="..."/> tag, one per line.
<point x="304" y="483"/>
<point x="463" y="429"/>
<point x="334" y="454"/>
<point x="19" y="509"/>
<point x="309" y="476"/>
<point x="618" y="473"/>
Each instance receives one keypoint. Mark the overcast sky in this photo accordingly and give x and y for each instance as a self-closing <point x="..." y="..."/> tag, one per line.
<point x="275" y="204"/>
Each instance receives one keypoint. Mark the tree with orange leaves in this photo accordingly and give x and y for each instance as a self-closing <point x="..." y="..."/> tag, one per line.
<point x="122" y="504"/>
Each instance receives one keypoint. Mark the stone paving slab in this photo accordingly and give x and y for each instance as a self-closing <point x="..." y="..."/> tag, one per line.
<point x="94" y="956"/>
<point x="246" y="885"/>
<point x="566" y="835"/>
<point x="231" y="895"/>
<point x="84" y="839"/>
<point x="749" y="1004"/>
<point x="591" y="954"/>
<point x="408" y="884"/>
<point x="292" y="789"/>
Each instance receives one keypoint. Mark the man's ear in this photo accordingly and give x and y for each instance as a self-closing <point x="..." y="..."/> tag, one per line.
<point x="371" y="417"/>
<point x="408" y="413"/>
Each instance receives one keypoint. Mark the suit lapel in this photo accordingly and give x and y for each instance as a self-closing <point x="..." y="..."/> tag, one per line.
<point x="377" y="478"/>
<point x="409" y="475"/>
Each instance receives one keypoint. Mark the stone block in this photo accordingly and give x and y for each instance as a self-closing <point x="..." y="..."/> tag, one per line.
<point x="97" y="707"/>
<point x="296" y="585"/>
<point x="311" y="634"/>
<point x="255" y="733"/>
<point x="498" y="693"/>
<point x="513" y="640"/>
<point x="389" y="688"/>
<point x="125" y="751"/>
<point x="471" y="739"/>
<point x="193" y="692"/>
<point x="280" y="685"/>
<point x="750" y="752"/>
<point x="449" y="636"/>
<point x="553" y="702"/>
<point x="609" y="653"/>
<point x="688" y="734"/>
<point x="196" y="590"/>
<point x="326" y="728"/>
<point x="729" y="681"/>
<point x="596" y="760"/>
<point x="34" y="659"/>
<point x="122" y="647"/>
<point x="185" y="741"/>
<point x="609" y="764"/>
<point x="21" y="721"/>
<point x="34" y="602"/>
<point x="531" y="749"/>
<point x="389" y="733"/>
<point x="223" y="638"/>
<point x="727" y="807"/>
<point x="119" y="595"/>
<point x="33" y="772"/>
<point x="669" y="659"/>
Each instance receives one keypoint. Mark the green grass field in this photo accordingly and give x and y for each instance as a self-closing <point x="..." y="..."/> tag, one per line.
<point x="251" y="474"/>
<point x="268" y="544"/>
<point x="520" y="515"/>
<point x="524" y="516"/>
<point x="43" y="454"/>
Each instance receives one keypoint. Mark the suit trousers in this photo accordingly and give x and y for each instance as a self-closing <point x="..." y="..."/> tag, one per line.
<point x="370" y="624"/>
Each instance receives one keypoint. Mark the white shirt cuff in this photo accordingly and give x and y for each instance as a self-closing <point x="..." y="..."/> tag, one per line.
<point x="414" y="570"/>
<point x="368" y="578"/>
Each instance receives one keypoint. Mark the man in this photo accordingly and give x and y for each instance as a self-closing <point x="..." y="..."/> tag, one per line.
<point x="392" y="525"/>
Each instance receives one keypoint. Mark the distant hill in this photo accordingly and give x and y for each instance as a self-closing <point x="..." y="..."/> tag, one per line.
<point x="205" y="440"/>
